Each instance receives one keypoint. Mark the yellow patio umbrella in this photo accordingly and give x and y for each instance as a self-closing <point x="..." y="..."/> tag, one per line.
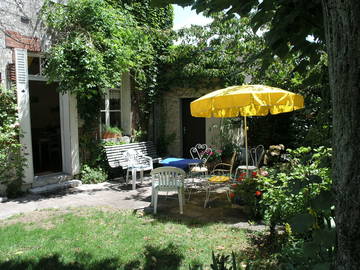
<point x="246" y="100"/>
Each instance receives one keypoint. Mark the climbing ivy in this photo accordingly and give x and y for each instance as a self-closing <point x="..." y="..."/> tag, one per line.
<point x="11" y="160"/>
<point x="94" y="42"/>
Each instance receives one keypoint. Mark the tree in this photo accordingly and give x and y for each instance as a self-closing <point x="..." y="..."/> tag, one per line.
<point x="224" y="52"/>
<point x="333" y="24"/>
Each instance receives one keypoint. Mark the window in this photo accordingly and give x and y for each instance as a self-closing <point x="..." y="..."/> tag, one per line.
<point x="36" y="65"/>
<point x="111" y="109"/>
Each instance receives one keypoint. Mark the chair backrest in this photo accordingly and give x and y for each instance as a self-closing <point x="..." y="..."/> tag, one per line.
<point x="131" y="157"/>
<point x="201" y="151"/>
<point x="255" y="155"/>
<point x="232" y="161"/>
<point x="168" y="178"/>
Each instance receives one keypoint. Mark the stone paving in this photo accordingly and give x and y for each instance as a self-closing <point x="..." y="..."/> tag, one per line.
<point x="117" y="195"/>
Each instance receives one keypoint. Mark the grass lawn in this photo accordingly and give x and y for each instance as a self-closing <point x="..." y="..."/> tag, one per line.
<point x="96" y="239"/>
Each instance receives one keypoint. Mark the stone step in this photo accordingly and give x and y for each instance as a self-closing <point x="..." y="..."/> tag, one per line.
<point x="49" y="179"/>
<point x="55" y="187"/>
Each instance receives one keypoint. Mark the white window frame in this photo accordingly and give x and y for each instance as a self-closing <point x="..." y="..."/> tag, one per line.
<point x="107" y="110"/>
<point x="41" y="76"/>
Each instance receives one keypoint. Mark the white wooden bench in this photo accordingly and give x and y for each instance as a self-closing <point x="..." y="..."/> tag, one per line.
<point x="115" y="153"/>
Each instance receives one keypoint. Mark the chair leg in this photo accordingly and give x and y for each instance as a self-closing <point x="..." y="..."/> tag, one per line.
<point x="127" y="176"/>
<point x="152" y="196"/>
<point x="141" y="176"/>
<point x="155" y="201"/>
<point x="133" y="172"/>
<point x="181" y="196"/>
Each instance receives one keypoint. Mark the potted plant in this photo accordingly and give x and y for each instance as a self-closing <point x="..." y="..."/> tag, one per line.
<point x="111" y="132"/>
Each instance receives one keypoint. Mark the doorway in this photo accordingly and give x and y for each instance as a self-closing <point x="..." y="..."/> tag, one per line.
<point x="193" y="128"/>
<point x="45" y="127"/>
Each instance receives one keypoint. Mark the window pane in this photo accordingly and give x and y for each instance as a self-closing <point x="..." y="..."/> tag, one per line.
<point x="102" y="107"/>
<point x="115" y="119"/>
<point x="103" y="123"/>
<point x="33" y="65"/>
<point x="114" y="99"/>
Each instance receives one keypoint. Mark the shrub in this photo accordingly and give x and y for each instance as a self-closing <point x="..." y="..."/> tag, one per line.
<point x="289" y="189"/>
<point x="247" y="192"/>
<point x="93" y="175"/>
<point x="11" y="160"/>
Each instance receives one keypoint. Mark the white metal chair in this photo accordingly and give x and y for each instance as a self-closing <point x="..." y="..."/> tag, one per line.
<point x="136" y="162"/>
<point x="201" y="152"/>
<point x="255" y="156"/>
<point x="167" y="179"/>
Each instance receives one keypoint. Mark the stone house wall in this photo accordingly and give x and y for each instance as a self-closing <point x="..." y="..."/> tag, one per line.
<point x="171" y="115"/>
<point x="20" y="27"/>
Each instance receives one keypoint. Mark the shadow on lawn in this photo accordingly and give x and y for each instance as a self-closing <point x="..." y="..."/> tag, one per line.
<point x="169" y="257"/>
<point x="218" y="210"/>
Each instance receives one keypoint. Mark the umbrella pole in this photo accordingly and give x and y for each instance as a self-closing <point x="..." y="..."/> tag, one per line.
<point x="246" y="147"/>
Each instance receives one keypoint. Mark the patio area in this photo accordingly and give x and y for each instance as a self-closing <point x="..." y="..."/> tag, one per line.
<point x="116" y="195"/>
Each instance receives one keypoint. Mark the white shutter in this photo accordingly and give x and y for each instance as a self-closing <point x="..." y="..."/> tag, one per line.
<point x="22" y="86"/>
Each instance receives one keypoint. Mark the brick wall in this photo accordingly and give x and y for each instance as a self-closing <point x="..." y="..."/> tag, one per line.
<point x="16" y="40"/>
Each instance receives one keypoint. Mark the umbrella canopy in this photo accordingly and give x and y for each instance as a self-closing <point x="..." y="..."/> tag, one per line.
<point x="246" y="100"/>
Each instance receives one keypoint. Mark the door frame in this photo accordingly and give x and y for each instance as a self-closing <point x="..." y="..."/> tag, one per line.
<point x="68" y="120"/>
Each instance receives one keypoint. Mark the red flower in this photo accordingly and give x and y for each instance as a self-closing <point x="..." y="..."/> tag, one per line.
<point x="254" y="174"/>
<point x="258" y="193"/>
<point x="234" y="185"/>
<point x="232" y="195"/>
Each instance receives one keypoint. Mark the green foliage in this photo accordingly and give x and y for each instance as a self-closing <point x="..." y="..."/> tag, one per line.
<point x="225" y="51"/>
<point x="93" y="43"/>
<point x="292" y="187"/>
<point x="286" y="24"/>
<point x="247" y="192"/>
<point x="211" y="54"/>
<point x="11" y="160"/>
<point x="92" y="175"/>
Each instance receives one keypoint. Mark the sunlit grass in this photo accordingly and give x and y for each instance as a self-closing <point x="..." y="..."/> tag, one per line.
<point x="95" y="239"/>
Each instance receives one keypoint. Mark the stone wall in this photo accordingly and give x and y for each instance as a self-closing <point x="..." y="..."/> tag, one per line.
<point x="20" y="27"/>
<point x="171" y="115"/>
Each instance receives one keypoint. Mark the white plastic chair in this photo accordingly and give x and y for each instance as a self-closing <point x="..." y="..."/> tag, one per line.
<point x="136" y="162"/>
<point x="167" y="179"/>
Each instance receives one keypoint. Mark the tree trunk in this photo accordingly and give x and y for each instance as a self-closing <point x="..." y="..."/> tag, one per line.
<point x="342" y="26"/>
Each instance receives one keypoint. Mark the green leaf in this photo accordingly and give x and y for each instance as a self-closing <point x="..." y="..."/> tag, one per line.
<point x="315" y="179"/>
<point x="326" y="238"/>
<point x="324" y="201"/>
<point x="322" y="266"/>
<point x="302" y="222"/>
<point x="311" y="249"/>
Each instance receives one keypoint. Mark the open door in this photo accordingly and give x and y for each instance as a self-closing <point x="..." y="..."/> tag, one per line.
<point x="193" y="128"/>
<point x="45" y="127"/>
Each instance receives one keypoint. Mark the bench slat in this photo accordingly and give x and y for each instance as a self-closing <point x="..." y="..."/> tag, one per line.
<point x="114" y="153"/>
